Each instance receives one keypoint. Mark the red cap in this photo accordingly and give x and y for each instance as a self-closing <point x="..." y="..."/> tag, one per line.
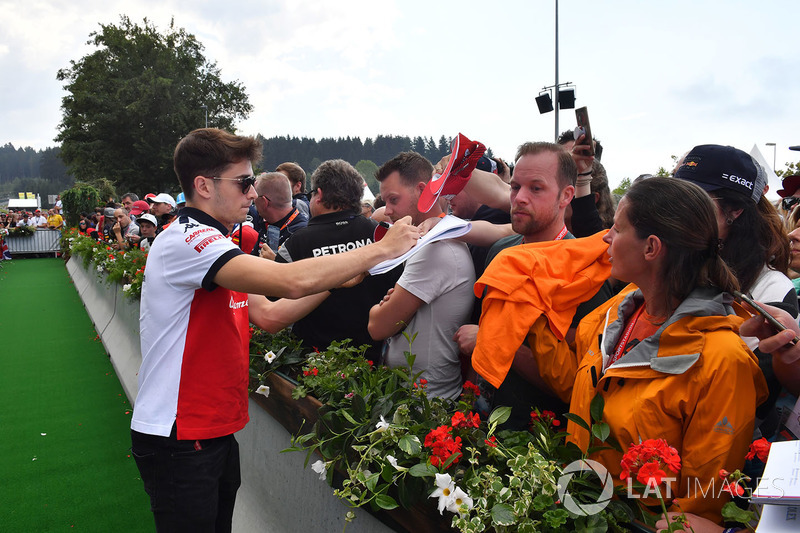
<point x="139" y="207"/>
<point x="149" y="196"/>
<point x="790" y="185"/>
<point x="464" y="155"/>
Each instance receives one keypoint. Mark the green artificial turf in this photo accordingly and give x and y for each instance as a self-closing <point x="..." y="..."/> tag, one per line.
<point x="65" y="460"/>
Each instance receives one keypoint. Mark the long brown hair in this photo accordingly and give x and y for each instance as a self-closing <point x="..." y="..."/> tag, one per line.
<point x="683" y="217"/>
<point x="755" y="238"/>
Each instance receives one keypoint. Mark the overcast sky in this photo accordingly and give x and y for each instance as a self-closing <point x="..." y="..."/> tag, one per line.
<point x="657" y="77"/>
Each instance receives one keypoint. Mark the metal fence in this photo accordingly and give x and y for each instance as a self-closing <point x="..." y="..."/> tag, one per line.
<point x="43" y="241"/>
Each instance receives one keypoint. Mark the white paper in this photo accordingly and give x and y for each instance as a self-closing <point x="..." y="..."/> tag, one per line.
<point x="779" y="519"/>
<point x="447" y="228"/>
<point x="780" y="483"/>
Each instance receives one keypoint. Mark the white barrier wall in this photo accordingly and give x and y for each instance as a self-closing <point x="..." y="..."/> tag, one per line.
<point x="277" y="494"/>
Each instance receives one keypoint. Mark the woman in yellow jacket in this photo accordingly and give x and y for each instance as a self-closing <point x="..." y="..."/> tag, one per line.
<point x="665" y="353"/>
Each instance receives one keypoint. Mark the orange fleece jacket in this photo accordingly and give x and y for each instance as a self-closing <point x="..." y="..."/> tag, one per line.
<point x="523" y="282"/>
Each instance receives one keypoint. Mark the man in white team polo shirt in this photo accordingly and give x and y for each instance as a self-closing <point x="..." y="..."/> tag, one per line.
<point x="195" y="313"/>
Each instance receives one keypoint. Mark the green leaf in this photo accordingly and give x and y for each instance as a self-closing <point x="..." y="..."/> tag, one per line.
<point x="596" y="407"/>
<point x="542" y="502"/>
<point x="578" y="420"/>
<point x="499" y="416"/>
<point x="732" y="513"/>
<point x="601" y="431"/>
<point x="410" y="444"/>
<point x="591" y="524"/>
<point x="359" y="406"/>
<point x="503" y="515"/>
<point x="422" y="470"/>
<point x="556" y="517"/>
<point x="371" y="481"/>
<point x="386" y="502"/>
<point x="348" y="417"/>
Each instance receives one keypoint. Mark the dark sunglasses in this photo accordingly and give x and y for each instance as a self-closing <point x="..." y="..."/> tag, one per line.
<point x="788" y="203"/>
<point x="246" y="182"/>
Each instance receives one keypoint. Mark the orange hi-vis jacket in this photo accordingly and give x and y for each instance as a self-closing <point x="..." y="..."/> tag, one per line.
<point x="526" y="282"/>
<point x="694" y="383"/>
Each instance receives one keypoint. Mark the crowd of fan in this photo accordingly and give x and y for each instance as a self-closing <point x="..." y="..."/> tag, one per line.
<point x="552" y="192"/>
<point x="36" y="219"/>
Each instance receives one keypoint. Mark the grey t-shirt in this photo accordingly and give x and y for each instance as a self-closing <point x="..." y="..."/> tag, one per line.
<point x="442" y="276"/>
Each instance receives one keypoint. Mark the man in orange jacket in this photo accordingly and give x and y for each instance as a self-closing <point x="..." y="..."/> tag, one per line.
<point x="542" y="187"/>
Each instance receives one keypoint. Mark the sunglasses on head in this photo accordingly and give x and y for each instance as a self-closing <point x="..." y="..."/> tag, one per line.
<point x="788" y="203"/>
<point x="246" y="182"/>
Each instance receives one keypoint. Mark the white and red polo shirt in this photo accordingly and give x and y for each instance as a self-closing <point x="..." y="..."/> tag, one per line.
<point x="194" y="335"/>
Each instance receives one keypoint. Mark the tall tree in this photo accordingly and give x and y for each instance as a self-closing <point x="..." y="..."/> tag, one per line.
<point x="130" y="101"/>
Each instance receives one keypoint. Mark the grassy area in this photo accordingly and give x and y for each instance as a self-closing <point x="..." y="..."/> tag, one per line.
<point x="65" y="460"/>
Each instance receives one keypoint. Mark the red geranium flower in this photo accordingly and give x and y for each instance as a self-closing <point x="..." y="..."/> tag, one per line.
<point x="491" y="441"/>
<point x="443" y="445"/>
<point x="650" y="473"/>
<point x="470" y="420"/>
<point x="734" y="489"/>
<point x="760" y="449"/>
<point x="545" y="417"/>
<point x="470" y="387"/>
<point x="645" y="461"/>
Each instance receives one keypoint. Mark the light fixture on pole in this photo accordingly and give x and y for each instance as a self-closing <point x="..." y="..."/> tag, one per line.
<point x="774" y="154"/>
<point x="544" y="102"/>
<point x="204" y="106"/>
<point x="564" y="100"/>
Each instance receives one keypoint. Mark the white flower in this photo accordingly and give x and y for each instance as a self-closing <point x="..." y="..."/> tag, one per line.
<point x="126" y="287"/>
<point x="382" y="426"/>
<point x="270" y="356"/>
<point x="99" y="268"/>
<point x="319" y="468"/>
<point x="444" y="490"/>
<point x="263" y="389"/>
<point x="459" y="502"/>
<point x="392" y="461"/>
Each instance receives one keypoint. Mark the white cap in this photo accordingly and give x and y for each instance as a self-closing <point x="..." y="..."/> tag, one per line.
<point x="148" y="217"/>
<point x="164" y="198"/>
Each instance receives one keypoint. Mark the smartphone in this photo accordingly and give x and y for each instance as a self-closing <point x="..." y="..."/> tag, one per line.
<point x="582" y="115"/>
<point x="777" y="326"/>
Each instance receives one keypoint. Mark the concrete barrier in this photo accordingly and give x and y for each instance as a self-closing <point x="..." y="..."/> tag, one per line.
<point x="278" y="495"/>
<point x="116" y="319"/>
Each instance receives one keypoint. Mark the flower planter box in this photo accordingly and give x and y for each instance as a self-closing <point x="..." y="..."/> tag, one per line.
<point x="296" y="414"/>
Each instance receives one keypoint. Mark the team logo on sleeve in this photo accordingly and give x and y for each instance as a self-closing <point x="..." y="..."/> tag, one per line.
<point x="238" y="305"/>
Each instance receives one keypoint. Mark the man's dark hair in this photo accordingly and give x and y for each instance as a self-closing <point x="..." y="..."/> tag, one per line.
<point x="294" y="172"/>
<point x="341" y="185"/>
<point x="567" y="169"/>
<point x="569" y="135"/>
<point x="412" y="167"/>
<point x="208" y="152"/>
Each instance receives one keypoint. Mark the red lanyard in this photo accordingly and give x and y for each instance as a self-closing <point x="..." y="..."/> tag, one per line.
<point x="296" y="212"/>
<point x="561" y="234"/>
<point x="623" y="341"/>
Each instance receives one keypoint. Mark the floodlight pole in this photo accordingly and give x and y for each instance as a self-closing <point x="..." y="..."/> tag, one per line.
<point x="774" y="155"/>
<point x="555" y="91"/>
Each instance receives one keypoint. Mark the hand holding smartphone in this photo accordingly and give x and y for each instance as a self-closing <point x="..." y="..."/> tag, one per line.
<point x="582" y="116"/>
<point x="777" y="326"/>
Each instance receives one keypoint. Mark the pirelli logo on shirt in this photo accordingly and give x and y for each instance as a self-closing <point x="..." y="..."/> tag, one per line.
<point x="208" y="240"/>
<point x="204" y="241"/>
<point x="340" y="248"/>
